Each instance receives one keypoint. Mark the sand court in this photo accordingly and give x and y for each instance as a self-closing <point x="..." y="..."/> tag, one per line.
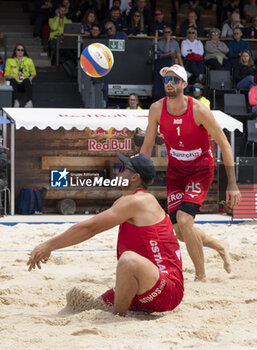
<point x="219" y="314"/>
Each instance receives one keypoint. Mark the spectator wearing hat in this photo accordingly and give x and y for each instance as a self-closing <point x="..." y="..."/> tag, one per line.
<point x="236" y="46"/>
<point x="245" y="72"/>
<point x="216" y="52"/>
<point x="198" y="94"/>
<point x="159" y="24"/>
<point x="228" y="28"/>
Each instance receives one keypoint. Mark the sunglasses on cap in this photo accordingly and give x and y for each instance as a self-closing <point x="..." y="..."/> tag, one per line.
<point x="197" y="89"/>
<point x="172" y="80"/>
<point x="123" y="168"/>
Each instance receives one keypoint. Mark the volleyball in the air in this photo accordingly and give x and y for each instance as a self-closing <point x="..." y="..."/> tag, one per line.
<point x="96" y="60"/>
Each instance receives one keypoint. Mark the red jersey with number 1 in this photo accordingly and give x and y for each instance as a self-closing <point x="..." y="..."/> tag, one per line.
<point x="185" y="141"/>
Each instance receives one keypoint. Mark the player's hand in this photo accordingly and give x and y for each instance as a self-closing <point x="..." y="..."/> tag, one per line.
<point x="233" y="194"/>
<point x="39" y="254"/>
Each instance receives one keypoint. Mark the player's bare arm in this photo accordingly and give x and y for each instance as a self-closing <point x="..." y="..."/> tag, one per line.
<point x="204" y="117"/>
<point x="117" y="214"/>
<point x="151" y="131"/>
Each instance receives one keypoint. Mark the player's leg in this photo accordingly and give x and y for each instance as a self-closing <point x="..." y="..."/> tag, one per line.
<point x="193" y="242"/>
<point x="134" y="276"/>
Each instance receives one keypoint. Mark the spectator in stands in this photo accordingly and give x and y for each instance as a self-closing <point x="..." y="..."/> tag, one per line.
<point x="237" y="46"/>
<point x="250" y="10"/>
<point x="81" y="7"/>
<point x="192" y="51"/>
<point x="245" y="71"/>
<point x="112" y="33"/>
<point x="95" y="31"/>
<point x="252" y="99"/>
<point x="124" y="5"/>
<point x="56" y="25"/>
<point x="44" y="9"/>
<point x="69" y="8"/>
<point x="216" y="52"/>
<point x="87" y="22"/>
<point x="136" y="25"/>
<point x="251" y="32"/>
<point x="232" y="6"/>
<point x="117" y="18"/>
<point x="169" y="47"/>
<point x="133" y="102"/>
<point x="159" y="24"/>
<point x="191" y="22"/>
<point x="20" y="70"/>
<point x="191" y="5"/>
<point x="228" y="28"/>
<point x="198" y="94"/>
<point x="141" y="6"/>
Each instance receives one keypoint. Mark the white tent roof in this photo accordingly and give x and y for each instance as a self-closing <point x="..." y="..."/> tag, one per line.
<point x="56" y="118"/>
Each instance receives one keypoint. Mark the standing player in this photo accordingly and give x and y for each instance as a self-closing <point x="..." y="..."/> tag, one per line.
<point x="149" y="270"/>
<point x="185" y="125"/>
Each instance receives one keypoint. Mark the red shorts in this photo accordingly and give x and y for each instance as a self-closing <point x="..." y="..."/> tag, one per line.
<point x="190" y="185"/>
<point x="165" y="295"/>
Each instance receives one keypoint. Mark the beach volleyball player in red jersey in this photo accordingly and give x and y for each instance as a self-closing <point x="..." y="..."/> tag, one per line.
<point x="185" y="126"/>
<point x="149" y="269"/>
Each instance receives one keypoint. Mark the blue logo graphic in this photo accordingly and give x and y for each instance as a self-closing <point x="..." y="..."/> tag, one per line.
<point x="59" y="178"/>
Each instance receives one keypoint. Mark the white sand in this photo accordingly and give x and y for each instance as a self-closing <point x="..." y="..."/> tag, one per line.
<point x="219" y="314"/>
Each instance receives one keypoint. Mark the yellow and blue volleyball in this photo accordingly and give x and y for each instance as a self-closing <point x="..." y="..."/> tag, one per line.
<point x="96" y="60"/>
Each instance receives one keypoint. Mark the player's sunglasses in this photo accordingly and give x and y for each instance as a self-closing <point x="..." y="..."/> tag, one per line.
<point x="123" y="168"/>
<point x="172" y="80"/>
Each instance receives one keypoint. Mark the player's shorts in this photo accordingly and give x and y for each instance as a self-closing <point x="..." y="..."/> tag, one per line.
<point x="165" y="295"/>
<point x="191" y="185"/>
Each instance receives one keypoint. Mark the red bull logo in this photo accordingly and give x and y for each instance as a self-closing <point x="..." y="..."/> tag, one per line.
<point x="112" y="132"/>
<point x="110" y="145"/>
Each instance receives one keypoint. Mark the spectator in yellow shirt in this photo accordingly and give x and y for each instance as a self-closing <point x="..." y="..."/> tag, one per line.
<point x="20" y="71"/>
<point x="133" y="102"/>
<point x="56" y="25"/>
<point x="198" y="94"/>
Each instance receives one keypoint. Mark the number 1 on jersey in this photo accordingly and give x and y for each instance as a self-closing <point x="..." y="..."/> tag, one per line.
<point x="178" y="130"/>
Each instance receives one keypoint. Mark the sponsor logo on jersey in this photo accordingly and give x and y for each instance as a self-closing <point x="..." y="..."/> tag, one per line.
<point x="177" y="121"/>
<point x="186" y="155"/>
<point x="154" y="294"/>
<point x="175" y="197"/>
<point x="194" y="187"/>
<point x="157" y="256"/>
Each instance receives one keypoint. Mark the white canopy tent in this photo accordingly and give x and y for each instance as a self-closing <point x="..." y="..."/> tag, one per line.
<point x="93" y="119"/>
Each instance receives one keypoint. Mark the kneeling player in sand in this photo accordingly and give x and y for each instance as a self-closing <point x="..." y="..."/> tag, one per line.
<point x="149" y="269"/>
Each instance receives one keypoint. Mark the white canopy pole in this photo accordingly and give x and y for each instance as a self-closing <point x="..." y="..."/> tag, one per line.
<point x="12" y="168"/>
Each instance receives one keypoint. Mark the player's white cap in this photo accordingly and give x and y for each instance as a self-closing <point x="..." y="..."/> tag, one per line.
<point x="177" y="69"/>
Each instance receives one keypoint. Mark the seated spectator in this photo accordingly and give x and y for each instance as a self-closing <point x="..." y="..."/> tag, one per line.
<point x="198" y="94"/>
<point x="69" y="8"/>
<point x="159" y="24"/>
<point x="252" y="99"/>
<point x="133" y="102"/>
<point x="251" y="32"/>
<point x="95" y="31"/>
<point x="191" y="5"/>
<point x="236" y="46"/>
<point x="124" y="5"/>
<point x="190" y="22"/>
<point x="44" y="9"/>
<point x="229" y="8"/>
<point x="250" y="10"/>
<point x="87" y="22"/>
<point x="81" y="7"/>
<point x="245" y="71"/>
<point x="141" y="6"/>
<point x="56" y="25"/>
<point x="216" y="52"/>
<point x="228" y="28"/>
<point x="136" y="26"/>
<point x="117" y="18"/>
<point x="112" y="33"/>
<point x="192" y="51"/>
<point x="20" y="70"/>
<point x="169" y="47"/>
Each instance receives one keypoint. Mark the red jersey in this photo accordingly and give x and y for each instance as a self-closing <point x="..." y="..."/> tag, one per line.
<point x="158" y="243"/>
<point x="185" y="141"/>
